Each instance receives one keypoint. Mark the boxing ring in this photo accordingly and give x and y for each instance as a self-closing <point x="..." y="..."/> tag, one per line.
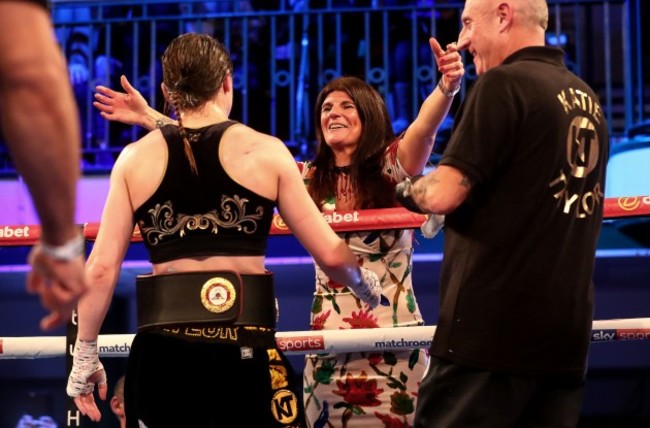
<point x="303" y="342"/>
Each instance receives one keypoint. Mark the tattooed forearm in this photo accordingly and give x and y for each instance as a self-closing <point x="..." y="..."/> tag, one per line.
<point x="418" y="194"/>
<point x="439" y="192"/>
<point x="421" y="189"/>
<point x="466" y="182"/>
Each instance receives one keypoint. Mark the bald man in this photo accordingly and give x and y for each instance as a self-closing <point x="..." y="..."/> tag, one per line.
<point x="521" y="183"/>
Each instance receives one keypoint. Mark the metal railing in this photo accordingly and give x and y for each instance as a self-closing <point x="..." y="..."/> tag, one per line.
<point x="285" y="50"/>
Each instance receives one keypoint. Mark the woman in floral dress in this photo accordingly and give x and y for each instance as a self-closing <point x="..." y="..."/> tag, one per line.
<point x="358" y="162"/>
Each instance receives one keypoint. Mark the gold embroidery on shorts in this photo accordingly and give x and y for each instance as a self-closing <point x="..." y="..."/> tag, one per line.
<point x="284" y="406"/>
<point x="274" y="355"/>
<point x="279" y="376"/>
<point x="277" y="370"/>
<point x="223" y="333"/>
<point x="257" y="328"/>
<point x="232" y="215"/>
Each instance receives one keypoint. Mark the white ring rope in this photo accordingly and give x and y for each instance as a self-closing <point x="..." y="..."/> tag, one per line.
<point x="304" y="342"/>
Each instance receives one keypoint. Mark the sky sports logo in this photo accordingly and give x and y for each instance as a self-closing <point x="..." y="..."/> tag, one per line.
<point x="300" y="343"/>
<point x="620" y="334"/>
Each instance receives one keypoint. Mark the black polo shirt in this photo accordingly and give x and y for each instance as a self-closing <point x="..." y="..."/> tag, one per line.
<point x="516" y="290"/>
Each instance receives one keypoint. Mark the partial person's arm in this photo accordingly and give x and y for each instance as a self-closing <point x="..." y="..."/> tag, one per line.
<point x="41" y="126"/>
<point x="103" y="269"/>
<point x="128" y="107"/>
<point x="439" y="192"/>
<point x="415" y="148"/>
<point x="308" y="225"/>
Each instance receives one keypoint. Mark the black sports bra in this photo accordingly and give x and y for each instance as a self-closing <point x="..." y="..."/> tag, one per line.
<point x="208" y="214"/>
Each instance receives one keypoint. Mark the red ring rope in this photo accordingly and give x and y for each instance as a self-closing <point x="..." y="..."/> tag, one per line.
<point x="341" y="221"/>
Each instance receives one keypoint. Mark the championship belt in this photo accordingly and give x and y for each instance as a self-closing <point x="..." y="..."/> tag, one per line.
<point x="223" y="297"/>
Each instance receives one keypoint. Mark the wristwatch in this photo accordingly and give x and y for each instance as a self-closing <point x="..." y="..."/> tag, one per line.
<point x="446" y="93"/>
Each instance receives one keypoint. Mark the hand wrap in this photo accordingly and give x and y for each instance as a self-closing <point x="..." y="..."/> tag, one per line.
<point x="368" y="289"/>
<point x="404" y="196"/>
<point x="433" y="225"/>
<point x="84" y="364"/>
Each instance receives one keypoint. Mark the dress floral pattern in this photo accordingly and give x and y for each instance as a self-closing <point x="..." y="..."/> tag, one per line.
<point x="366" y="389"/>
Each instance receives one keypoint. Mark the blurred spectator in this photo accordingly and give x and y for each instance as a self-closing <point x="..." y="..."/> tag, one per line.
<point x="87" y="68"/>
<point x="248" y="48"/>
<point x="402" y="73"/>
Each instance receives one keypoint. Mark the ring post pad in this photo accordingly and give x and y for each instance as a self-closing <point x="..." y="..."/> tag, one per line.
<point x="224" y="297"/>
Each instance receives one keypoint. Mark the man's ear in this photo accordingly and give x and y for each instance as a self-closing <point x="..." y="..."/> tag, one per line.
<point x="115" y="406"/>
<point x="505" y="11"/>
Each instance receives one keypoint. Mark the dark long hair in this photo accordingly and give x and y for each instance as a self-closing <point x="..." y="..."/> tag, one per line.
<point x="368" y="184"/>
<point x="194" y="68"/>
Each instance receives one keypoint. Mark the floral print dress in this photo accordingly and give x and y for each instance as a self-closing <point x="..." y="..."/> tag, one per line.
<point x="366" y="389"/>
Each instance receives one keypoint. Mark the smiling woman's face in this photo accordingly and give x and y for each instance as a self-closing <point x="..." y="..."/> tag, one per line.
<point x="340" y="121"/>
